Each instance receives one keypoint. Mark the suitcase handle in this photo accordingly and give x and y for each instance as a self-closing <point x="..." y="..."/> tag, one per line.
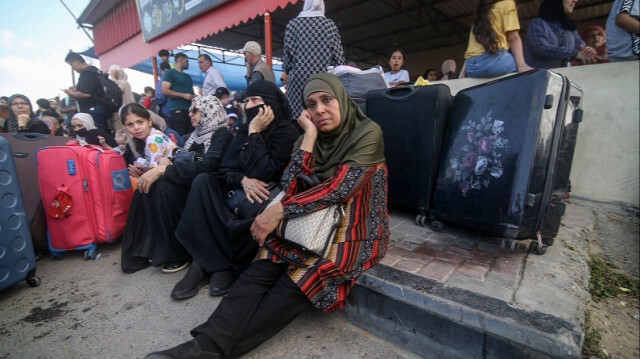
<point x="30" y="136"/>
<point x="399" y="92"/>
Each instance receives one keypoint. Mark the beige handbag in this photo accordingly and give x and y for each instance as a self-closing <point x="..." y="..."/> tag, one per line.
<point x="312" y="233"/>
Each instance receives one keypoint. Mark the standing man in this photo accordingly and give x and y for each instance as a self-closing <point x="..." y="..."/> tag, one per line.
<point x="256" y="68"/>
<point x="162" y="100"/>
<point x="88" y="92"/>
<point x="69" y="107"/>
<point x="213" y="80"/>
<point x="178" y="87"/>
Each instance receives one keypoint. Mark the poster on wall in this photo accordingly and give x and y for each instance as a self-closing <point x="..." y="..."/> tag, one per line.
<point x="160" y="16"/>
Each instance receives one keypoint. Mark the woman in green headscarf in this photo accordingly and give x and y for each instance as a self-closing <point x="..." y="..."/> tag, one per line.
<point x="344" y="149"/>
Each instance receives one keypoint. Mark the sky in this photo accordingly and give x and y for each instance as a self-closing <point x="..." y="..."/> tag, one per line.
<point x="34" y="39"/>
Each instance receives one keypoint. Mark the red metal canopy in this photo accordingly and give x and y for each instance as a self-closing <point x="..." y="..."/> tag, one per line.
<point x="118" y="38"/>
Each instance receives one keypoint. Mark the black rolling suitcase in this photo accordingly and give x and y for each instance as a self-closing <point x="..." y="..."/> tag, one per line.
<point x="413" y="120"/>
<point x="24" y="147"/>
<point x="507" y="156"/>
<point x="17" y="259"/>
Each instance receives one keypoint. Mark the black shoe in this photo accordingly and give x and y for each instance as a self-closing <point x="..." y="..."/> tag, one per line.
<point x="192" y="349"/>
<point x="189" y="286"/>
<point x="172" y="267"/>
<point x="221" y="283"/>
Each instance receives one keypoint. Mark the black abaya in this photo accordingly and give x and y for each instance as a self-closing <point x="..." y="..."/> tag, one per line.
<point x="210" y="231"/>
<point x="154" y="217"/>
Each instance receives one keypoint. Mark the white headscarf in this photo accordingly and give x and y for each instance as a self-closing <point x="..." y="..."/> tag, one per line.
<point x="120" y="75"/>
<point x="87" y="122"/>
<point x="312" y="8"/>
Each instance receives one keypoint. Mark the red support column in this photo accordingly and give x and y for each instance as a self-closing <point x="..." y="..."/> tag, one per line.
<point x="268" y="52"/>
<point x="154" y="62"/>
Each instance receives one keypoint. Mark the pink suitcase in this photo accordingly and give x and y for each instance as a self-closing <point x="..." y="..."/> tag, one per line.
<point x="86" y="192"/>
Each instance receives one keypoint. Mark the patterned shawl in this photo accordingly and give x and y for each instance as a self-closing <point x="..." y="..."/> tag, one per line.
<point x="213" y="118"/>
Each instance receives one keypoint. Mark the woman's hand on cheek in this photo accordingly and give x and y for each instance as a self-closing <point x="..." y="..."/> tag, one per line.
<point x="266" y="222"/>
<point x="306" y="123"/>
<point x="262" y="120"/>
<point x="310" y="131"/>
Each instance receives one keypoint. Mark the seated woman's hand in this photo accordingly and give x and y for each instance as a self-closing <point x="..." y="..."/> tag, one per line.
<point x="103" y="143"/>
<point x="148" y="178"/>
<point x="266" y="222"/>
<point x="262" y="120"/>
<point x="255" y="189"/>
<point x="165" y="161"/>
<point x="135" y="171"/>
<point x="306" y="124"/>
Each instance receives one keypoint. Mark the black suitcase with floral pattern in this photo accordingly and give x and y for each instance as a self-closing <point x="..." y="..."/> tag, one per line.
<point x="507" y="156"/>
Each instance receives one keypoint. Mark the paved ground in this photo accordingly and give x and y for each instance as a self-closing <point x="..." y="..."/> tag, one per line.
<point x="489" y="266"/>
<point x="91" y="309"/>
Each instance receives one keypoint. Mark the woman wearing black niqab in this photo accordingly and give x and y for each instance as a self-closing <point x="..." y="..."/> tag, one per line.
<point x="214" y="227"/>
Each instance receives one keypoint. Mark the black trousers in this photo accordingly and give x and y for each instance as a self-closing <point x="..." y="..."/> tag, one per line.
<point x="261" y="303"/>
<point x="180" y="122"/>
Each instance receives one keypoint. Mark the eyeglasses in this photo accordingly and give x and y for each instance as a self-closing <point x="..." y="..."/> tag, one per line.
<point x="16" y="104"/>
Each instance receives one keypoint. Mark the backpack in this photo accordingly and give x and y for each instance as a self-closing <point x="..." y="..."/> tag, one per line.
<point x="111" y="97"/>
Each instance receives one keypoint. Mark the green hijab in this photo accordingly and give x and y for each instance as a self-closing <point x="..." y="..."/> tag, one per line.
<point x="357" y="141"/>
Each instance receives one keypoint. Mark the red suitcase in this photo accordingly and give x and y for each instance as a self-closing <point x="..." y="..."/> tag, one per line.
<point x="86" y="192"/>
<point x="24" y="147"/>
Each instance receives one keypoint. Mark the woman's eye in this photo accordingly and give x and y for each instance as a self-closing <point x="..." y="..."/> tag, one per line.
<point x="327" y="100"/>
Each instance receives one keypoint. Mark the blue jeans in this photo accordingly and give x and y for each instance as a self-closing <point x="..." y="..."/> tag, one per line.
<point x="100" y="116"/>
<point x="487" y="65"/>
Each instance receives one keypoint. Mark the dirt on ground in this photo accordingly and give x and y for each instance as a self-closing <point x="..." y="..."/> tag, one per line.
<point x="617" y="319"/>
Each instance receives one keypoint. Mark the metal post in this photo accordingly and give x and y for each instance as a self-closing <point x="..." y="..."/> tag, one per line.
<point x="267" y="39"/>
<point x="154" y="62"/>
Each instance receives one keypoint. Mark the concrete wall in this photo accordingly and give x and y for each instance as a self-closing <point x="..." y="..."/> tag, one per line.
<point x="605" y="164"/>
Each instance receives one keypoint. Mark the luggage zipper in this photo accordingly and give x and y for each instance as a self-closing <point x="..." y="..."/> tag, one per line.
<point x="88" y="201"/>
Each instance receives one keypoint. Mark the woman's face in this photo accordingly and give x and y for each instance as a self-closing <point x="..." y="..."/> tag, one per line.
<point x="196" y="117"/>
<point x="76" y="125"/>
<point x="432" y="76"/>
<point x="596" y="39"/>
<point x="20" y="106"/>
<point x="253" y="101"/>
<point x="324" y="110"/>
<point x="568" y="5"/>
<point x="396" y="61"/>
<point x="138" y="127"/>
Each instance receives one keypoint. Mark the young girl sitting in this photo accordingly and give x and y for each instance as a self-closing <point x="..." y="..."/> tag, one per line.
<point x="397" y="75"/>
<point x="147" y="146"/>
<point x="494" y="32"/>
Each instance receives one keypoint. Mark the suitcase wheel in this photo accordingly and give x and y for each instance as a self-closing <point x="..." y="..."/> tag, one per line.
<point x="437" y="226"/>
<point x="422" y="220"/>
<point x="33" y="281"/>
<point x="90" y="254"/>
<point x="57" y="256"/>
<point x="538" y="249"/>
